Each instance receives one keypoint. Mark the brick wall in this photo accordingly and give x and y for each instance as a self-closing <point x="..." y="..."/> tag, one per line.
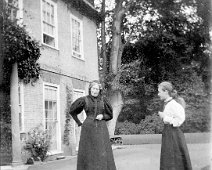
<point x="33" y="105"/>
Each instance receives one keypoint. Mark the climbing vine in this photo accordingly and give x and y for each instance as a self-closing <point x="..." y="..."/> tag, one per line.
<point x="68" y="128"/>
<point x="20" y="47"/>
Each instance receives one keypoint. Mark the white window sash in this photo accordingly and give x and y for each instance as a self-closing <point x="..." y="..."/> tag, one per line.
<point x="52" y="24"/>
<point x="18" y="8"/>
<point x="57" y="120"/>
<point x="80" y="53"/>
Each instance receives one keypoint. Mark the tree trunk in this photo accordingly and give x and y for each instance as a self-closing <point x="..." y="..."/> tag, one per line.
<point x="116" y="101"/>
<point x="103" y="49"/>
<point x="1" y="41"/>
<point x="16" y="145"/>
<point x="115" y="97"/>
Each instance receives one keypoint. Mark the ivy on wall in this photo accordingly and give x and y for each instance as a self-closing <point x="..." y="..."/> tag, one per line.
<point x="20" y="47"/>
<point x="68" y="128"/>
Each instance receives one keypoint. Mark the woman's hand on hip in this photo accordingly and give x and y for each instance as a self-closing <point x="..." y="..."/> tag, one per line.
<point x="99" y="117"/>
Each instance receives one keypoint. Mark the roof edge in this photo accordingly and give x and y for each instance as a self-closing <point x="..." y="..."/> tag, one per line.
<point x="86" y="9"/>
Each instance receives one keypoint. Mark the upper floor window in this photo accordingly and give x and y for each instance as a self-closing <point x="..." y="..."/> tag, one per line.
<point x="15" y="9"/>
<point x="76" y="37"/>
<point x="49" y="28"/>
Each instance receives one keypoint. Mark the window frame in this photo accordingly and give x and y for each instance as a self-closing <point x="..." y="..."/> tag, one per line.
<point x="81" y="44"/>
<point x="19" y="14"/>
<point x="51" y="85"/>
<point x="55" y="25"/>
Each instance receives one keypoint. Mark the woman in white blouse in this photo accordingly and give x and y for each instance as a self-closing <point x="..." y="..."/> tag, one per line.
<point x="174" y="151"/>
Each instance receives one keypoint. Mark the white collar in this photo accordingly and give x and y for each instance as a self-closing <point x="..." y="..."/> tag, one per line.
<point x="168" y="99"/>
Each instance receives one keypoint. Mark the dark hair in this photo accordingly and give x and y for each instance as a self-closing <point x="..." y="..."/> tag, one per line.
<point x="92" y="84"/>
<point x="172" y="92"/>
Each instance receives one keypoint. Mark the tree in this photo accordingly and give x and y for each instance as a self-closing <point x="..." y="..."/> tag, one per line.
<point x="167" y="26"/>
<point x="1" y="39"/>
<point x="115" y="95"/>
<point x="171" y="48"/>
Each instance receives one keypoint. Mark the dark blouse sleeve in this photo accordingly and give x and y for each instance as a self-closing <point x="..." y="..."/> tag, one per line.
<point x="108" y="111"/>
<point x="76" y="108"/>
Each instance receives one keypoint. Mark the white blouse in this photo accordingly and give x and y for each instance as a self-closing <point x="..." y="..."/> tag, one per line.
<point x="174" y="113"/>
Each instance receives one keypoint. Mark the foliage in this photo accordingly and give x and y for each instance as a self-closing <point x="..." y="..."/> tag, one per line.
<point x="196" y="121"/>
<point x="66" y="138"/>
<point x="126" y="128"/>
<point x="6" y="137"/>
<point x="152" y="124"/>
<point x="171" y="48"/>
<point x="38" y="143"/>
<point x="20" y="47"/>
<point x="198" y="116"/>
<point x="5" y="129"/>
<point x="132" y="111"/>
<point x="165" y="38"/>
<point x="191" y="88"/>
<point x="162" y="42"/>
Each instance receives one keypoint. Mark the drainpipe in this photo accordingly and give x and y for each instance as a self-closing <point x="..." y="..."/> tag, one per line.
<point x="16" y="144"/>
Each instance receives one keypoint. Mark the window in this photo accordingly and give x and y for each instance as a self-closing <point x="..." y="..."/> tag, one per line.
<point x="21" y="106"/>
<point x="49" y="28"/>
<point x="76" y="37"/>
<point x="51" y="114"/>
<point x="15" y="9"/>
<point x="50" y="105"/>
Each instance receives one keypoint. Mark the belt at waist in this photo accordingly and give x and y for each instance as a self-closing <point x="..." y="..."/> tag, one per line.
<point x="91" y="117"/>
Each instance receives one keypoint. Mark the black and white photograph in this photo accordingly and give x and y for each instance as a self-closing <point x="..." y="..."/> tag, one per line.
<point x="105" y="84"/>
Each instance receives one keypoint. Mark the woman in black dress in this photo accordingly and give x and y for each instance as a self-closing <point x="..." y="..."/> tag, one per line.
<point x="174" y="151"/>
<point x="95" y="151"/>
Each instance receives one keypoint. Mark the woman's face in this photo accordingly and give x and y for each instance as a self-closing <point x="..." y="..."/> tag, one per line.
<point x="95" y="90"/>
<point x="163" y="94"/>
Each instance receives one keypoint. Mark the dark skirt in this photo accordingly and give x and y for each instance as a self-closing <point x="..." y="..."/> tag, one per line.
<point x="174" y="151"/>
<point x="95" y="151"/>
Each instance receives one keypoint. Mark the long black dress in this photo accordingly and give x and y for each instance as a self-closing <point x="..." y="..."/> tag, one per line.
<point x="95" y="152"/>
<point x="174" y="151"/>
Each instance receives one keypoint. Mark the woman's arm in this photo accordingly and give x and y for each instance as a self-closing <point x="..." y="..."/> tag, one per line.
<point x="108" y="111"/>
<point x="76" y="108"/>
<point x="174" y="114"/>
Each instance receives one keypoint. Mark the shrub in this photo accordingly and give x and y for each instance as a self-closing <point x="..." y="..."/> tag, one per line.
<point x="5" y="143"/>
<point x="126" y="128"/>
<point x="197" y="120"/>
<point x="152" y="124"/>
<point x="38" y="143"/>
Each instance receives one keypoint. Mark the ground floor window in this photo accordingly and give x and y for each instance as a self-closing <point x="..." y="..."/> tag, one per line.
<point x="51" y="114"/>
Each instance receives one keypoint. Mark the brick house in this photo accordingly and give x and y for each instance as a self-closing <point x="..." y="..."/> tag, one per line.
<point x="66" y="30"/>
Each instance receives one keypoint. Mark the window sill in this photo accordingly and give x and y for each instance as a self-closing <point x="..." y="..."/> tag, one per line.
<point x="82" y="59"/>
<point x="55" y="152"/>
<point x="46" y="45"/>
